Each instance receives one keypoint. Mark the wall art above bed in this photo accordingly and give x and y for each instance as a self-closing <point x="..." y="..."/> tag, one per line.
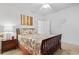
<point x="26" y="20"/>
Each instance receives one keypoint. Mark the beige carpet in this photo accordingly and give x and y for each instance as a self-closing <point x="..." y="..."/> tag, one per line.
<point x="67" y="49"/>
<point x="13" y="52"/>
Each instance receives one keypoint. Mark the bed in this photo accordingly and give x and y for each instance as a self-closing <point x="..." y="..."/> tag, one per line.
<point x="37" y="44"/>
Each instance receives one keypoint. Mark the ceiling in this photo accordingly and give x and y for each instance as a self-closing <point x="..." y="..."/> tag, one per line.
<point x="11" y="11"/>
<point x="36" y="7"/>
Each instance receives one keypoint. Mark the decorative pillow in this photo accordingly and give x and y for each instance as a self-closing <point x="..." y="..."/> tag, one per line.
<point x="25" y="31"/>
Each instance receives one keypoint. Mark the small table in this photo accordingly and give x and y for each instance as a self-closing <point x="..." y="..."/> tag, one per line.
<point x="8" y="45"/>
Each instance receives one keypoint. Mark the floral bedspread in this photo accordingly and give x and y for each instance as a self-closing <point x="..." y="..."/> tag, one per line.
<point x="32" y="42"/>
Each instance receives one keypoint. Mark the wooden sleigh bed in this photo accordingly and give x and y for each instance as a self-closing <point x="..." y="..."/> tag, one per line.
<point x="48" y="46"/>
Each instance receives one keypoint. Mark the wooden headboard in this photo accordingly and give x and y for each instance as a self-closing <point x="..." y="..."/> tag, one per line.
<point x="17" y="32"/>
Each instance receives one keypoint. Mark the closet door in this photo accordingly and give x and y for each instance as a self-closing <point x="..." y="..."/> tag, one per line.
<point x="40" y="27"/>
<point x="44" y="27"/>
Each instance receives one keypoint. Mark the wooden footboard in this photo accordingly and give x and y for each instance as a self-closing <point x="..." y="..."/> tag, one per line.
<point x="50" y="45"/>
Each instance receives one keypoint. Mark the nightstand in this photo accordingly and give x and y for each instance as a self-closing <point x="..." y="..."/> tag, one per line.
<point x="9" y="45"/>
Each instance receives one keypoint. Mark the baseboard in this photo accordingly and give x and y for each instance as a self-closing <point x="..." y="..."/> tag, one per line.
<point x="71" y="43"/>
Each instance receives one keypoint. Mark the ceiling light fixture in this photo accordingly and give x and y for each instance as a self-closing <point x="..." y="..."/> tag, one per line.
<point x="46" y="6"/>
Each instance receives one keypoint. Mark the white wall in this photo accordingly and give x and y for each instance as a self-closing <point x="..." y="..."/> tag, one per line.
<point x="67" y="23"/>
<point x="10" y="16"/>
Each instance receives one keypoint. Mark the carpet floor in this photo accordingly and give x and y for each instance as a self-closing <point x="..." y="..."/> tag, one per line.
<point x="67" y="49"/>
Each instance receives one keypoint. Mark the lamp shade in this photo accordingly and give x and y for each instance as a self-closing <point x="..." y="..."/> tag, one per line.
<point x="8" y="28"/>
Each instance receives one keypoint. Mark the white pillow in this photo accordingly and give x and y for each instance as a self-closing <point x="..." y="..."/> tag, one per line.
<point x="28" y="31"/>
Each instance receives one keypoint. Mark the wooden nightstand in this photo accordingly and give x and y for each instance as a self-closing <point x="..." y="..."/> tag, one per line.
<point x="9" y="45"/>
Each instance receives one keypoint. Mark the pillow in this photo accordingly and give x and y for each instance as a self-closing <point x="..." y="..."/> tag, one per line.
<point x="28" y="31"/>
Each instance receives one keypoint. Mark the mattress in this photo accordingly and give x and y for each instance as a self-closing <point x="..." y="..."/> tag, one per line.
<point x="32" y="42"/>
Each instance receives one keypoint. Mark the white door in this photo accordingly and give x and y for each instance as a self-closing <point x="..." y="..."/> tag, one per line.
<point x="44" y="27"/>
